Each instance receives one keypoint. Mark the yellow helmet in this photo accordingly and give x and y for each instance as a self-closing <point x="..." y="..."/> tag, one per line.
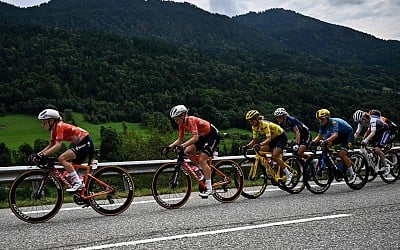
<point x="251" y="114"/>
<point x="322" y="113"/>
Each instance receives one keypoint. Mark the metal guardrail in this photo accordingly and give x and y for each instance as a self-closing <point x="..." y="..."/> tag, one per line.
<point x="8" y="174"/>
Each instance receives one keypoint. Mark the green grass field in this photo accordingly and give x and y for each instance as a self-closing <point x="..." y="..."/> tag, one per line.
<point x="18" y="129"/>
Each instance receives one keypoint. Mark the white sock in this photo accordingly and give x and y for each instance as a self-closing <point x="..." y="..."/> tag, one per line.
<point x="75" y="177"/>
<point x="208" y="184"/>
<point x="286" y="171"/>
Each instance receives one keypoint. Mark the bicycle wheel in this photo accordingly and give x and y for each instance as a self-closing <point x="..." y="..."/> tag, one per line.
<point x="392" y="160"/>
<point x="171" y="186"/>
<point x="318" y="174"/>
<point x="110" y="203"/>
<point x="360" y="168"/>
<point x="254" y="186"/>
<point x="230" y="191"/>
<point x="295" y="166"/>
<point x="31" y="205"/>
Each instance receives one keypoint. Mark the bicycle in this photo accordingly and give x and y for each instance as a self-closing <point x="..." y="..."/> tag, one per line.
<point x="321" y="170"/>
<point x="256" y="177"/>
<point x="172" y="185"/>
<point x="37" y="195"/>
<point x="374" y="164"/>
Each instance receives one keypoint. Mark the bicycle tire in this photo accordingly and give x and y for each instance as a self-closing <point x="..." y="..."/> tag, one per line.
<point x="316" y="180"/>
<point x="253" y="187"/>
<point x="26" y="205"/>
<point x="232" y="190"/>
<point x="111" y="203"/>
<point x="296" y="168"/>
<point x="393" y="161"/>
<point x="167" y="194"/>
<point x="360" y="168"/>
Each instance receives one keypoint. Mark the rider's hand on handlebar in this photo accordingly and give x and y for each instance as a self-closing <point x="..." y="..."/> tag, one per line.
<point x="243" y="149"/>
<point x="364" y="142"/>
<point x="257" y="147"/>
<point x="165" y="149"/>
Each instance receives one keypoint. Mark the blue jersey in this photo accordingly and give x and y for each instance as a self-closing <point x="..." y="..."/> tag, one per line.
<point x="335" y="125"/>
<point x="290" y="123"/>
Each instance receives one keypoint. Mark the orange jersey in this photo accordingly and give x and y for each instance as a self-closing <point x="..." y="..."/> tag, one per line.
<point x="195" y="125"/>
<point x="67" y="132"/>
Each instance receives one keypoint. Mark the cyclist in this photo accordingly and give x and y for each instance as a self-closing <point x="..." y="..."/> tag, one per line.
<point x="290" y="123"/>
<point x="336" y="131"/>
<point x="82" y="144"/>
<point x="275" y="140"/>
<point x="205" y="138"/>
<point x="377" y="134"/>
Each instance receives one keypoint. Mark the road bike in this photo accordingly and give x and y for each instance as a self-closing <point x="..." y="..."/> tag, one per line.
<point x="172" y="184"/>
<point x="260" y="169"/>
<point x="321" y="169"/>
<point x="376" y="168"/>
<point x="37" y="195"/>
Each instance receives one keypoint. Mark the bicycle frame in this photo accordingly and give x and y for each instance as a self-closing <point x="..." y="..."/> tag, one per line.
<point x="261" y="157"/>
<point x="82" y="194"/>
<point x="183" y="163"/>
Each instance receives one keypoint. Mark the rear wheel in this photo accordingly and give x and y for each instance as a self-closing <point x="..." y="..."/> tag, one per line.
<point x="295" y="165"/>
<point x="31" y="205"/>
<point x="117" y="187"/>
<point x="360" y="168"/>
<point x="318" y="174"/>
<point x="171" y="186"/>
<point x="392" y="160"/>
<point x="230" y="176"/>
<point x="254" y="183"/>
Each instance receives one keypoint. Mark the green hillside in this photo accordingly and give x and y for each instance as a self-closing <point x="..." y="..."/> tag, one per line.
<point x="18" y="129"/>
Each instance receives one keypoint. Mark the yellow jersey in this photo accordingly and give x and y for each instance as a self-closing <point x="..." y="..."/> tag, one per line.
<point x="267" y="128"/>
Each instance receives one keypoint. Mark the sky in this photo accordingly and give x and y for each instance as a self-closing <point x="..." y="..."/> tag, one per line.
<point x="379" y="18"/>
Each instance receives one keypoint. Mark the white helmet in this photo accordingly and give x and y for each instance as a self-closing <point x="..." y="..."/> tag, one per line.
<point x="48" y="114"/>
<point x="358" y="115"/>
<point x="177" y="111"/>
<point x="280" y="112"/>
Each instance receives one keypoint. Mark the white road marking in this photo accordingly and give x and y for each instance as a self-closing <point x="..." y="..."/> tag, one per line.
<point x="227" y="230"/>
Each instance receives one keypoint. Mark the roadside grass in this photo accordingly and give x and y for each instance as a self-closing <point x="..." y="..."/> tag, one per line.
<point x="16" y="130"/>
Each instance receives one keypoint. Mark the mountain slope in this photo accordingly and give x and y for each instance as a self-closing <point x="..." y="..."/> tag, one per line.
<point x="184" y="23"/>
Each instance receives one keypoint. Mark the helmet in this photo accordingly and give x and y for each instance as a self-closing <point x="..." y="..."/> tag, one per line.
<point x="48" y="114"/>
<point x="358" y="115"/>
<point x="251" y="114"/>
<point x="280" y="112"/>
<point x="177" y="111"/>
<point x="374" y="112"/>
<point x="322" y="113"/>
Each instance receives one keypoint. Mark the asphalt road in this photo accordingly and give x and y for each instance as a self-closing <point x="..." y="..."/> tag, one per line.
<point x="338" y="219"/>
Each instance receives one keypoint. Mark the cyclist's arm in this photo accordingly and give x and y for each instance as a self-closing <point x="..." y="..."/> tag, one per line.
<point x="191" y="141"/>
<point x="52" y="148"/>
<point x="178" y="141"/>
<point x="317" y="138"/>
<point x="297" y="132"/>
<point x="252" y="143"/>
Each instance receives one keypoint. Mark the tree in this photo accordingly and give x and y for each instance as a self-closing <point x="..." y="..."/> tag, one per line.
<point x="5" y="155"/>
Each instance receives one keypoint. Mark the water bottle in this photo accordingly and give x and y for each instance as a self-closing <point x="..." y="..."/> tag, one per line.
<point x="94" y="164"/>
<point x="198" y="172"/>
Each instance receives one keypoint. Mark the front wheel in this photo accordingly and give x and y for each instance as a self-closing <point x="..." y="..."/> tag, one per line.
<point x="171" y="186"/>
<point x="227" y="179"/>
<point x="112" y="189"/>
<point x="318" y="174"/>
<point x="32" y="205"/>
<point x="295" y="166"/>
<point x="254" y="177"/>
<point x="392" y="161"/>
<point x="360" y="168"/>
